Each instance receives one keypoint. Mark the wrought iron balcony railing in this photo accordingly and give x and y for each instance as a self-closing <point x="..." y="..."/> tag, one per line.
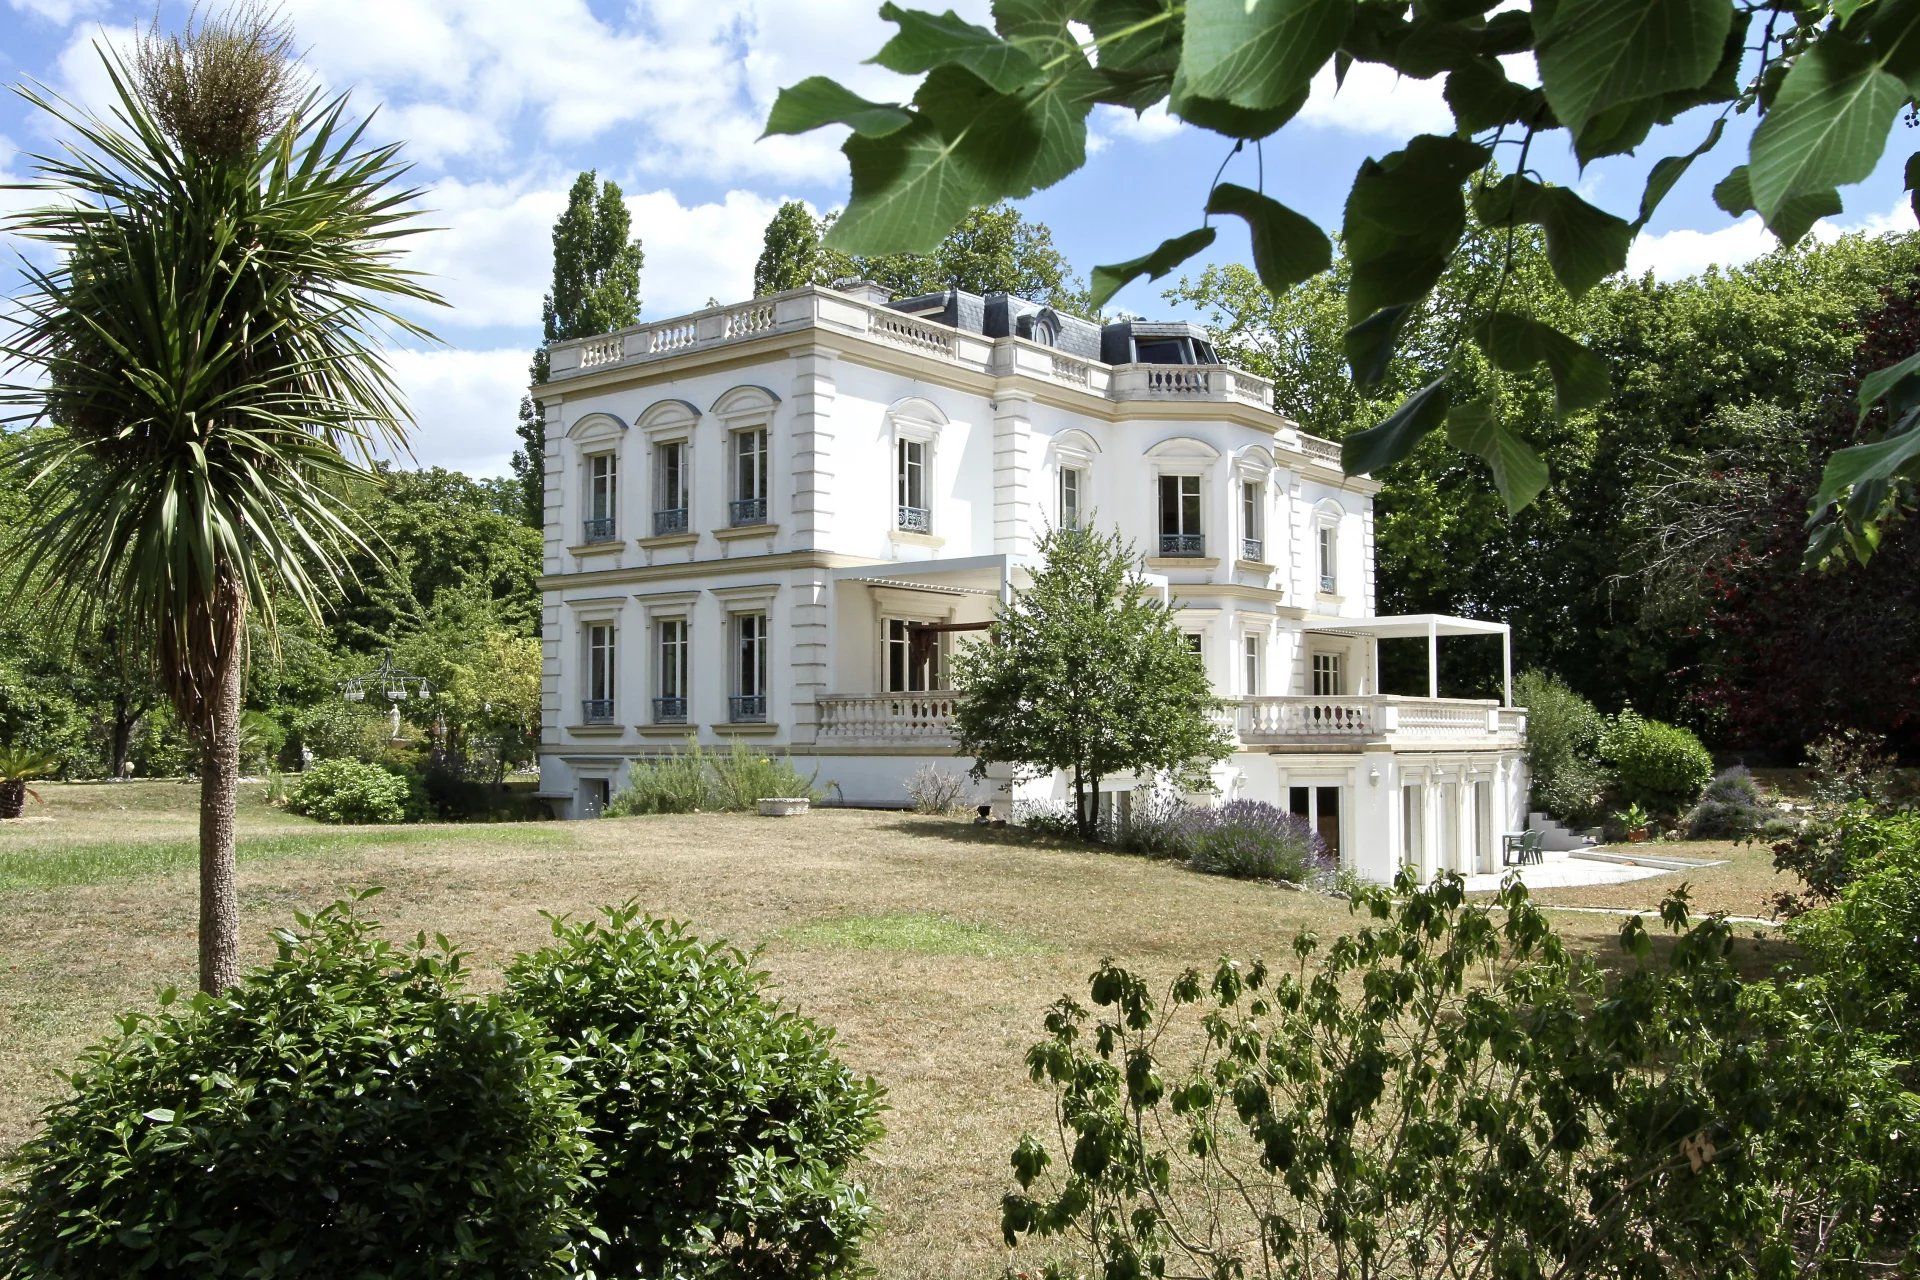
<point x="915" y="519"/>
<point x="1252" y="549"/>
<point x="747" y="708"/>
<point x="1183" y="544"/>
<point x="748" y="511"/>
<point x="599" y="529"/>
<point x="669" y="520"/>
<point x="1327" y="583"/>
<point x="669" y="710"/>
<point x="596" y="711"/>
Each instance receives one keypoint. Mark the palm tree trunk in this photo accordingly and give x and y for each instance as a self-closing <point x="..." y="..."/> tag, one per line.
<point x="219" y="734"/>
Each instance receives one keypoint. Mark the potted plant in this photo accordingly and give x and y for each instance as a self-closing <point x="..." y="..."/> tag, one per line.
<point x="17" y="768"/>
<point x="1635" y="821"/>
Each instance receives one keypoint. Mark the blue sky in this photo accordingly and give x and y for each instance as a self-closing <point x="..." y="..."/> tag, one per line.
<point x="501" y="102"/>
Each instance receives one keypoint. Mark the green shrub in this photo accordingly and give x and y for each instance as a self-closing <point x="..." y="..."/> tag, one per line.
<point x="1867" y="940"/>
<point x="1730" y="808"/>
<point x="697" y="780"/>
<point x="348" y="791"/>
<point x="262" y="739"/>
<point x="332" y="730"/>
<point x="1661" y="766"/>
<point x="1563" y="741"/>
<point x="725" y="1126"/>
<point x="345" y="1111"/>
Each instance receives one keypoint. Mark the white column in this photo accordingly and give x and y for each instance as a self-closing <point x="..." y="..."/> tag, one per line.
<point x="1506" y="664"/>
<point x="1013" y="471"/>
<point x="1433" y="660"/>
<point x="813" y="395"/>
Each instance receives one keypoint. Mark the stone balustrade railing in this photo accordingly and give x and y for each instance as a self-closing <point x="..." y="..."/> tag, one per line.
<point x="999" y="357"/>
<point x="1390" y="718"/>
<point x="887" y="719"/>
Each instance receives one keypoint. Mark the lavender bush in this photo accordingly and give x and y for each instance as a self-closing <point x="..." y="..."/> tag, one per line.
<point x="1248" y="839"/>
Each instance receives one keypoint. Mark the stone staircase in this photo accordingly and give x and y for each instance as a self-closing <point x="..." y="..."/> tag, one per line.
<point x="1555" y="838"/>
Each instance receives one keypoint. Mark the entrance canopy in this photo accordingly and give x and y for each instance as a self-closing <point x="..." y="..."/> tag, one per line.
<point x="1412" y="626"/>
<point x="991" y="576"/>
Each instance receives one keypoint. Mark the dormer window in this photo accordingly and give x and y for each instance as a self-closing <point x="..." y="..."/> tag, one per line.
<point x="1180" y="530"/>
<point x="601" y="496"/>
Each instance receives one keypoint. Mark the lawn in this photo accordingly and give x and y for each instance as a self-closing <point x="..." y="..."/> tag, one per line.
<point x="935" y="947"/>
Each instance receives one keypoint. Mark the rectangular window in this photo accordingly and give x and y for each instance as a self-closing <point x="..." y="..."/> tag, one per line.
<point x="1329" y="681"/>
<point x="910" y="473"/>
<point x="1194" y="643"/>
<point x="749" y="702"/>
<point x="1252" y="543"/>
<point x="670" y="678"/>
<point x="914" y="658"/>
<point x="1329" y="559"/>
<point x="602" y="490"/>
<point x="1250" y="652"/>
<point x="670" y="487"/>
<point x="1071" y="481"/>
<point x="1413" y="821"/>
<point x="1180" y="517"/>
<point x="749" y="477"/>
<point x="597" y="707"/>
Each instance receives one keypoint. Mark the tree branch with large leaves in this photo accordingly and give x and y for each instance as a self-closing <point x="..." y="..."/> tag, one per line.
<point x="1001" y="112"/>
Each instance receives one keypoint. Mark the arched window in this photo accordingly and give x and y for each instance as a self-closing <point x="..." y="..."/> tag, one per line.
<point x="746" y="414"/>
<point x="914" y="425"/>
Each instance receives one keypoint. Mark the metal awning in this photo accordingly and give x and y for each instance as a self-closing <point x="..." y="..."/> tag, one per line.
<point x="1406" y="626"/>
<point x="935" y="588"/>
<point x="1429" y="627"/>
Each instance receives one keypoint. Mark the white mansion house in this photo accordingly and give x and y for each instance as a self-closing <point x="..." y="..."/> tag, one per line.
<point x="772" y="522"/>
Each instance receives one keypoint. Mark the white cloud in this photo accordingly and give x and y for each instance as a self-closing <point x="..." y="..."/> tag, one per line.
<point x="1671" y="255"/>
<point x="492" y="256"/>
<point x="1377" y="101"/>
<point x="60" y="12"/>
<point x="1150" y="126"/>
<point x="465" y="405"/>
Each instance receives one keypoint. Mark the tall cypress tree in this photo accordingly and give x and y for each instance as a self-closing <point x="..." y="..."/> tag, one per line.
<point x="596" y="289"/>
<point x="791" y="251"/>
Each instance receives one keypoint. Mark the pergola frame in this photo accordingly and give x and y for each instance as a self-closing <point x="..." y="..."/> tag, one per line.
<point x="1412" y="626"/>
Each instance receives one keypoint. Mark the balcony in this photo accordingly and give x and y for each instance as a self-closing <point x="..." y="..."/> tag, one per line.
<point x="669" y="520"/>
<point x="887" y="719"/>
<point x="598" y="529"/>
<point x="596" y="711"/>
<point x="746" y="511"/>
<point x="1384" y="719"/>
<point x="1183" y="545"/>
<point x="747" y="708"/>
<point x="1253" y="549"/>
<point x="1327" y="584"/>
<point x="914" y="520"/>
<point x="669" y="710"/>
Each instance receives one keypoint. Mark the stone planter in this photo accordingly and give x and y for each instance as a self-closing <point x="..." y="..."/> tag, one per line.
<point x="783" y="806"/>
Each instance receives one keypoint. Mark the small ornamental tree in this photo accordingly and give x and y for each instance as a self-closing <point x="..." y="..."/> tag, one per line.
<point x="1087" y="673"/>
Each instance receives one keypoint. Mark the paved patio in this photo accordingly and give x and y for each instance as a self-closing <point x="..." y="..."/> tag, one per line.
<point x="1571" y="872"/>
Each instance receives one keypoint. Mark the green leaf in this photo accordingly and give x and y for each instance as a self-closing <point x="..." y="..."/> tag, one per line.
<point x="1481" y="97"/>
<point x="1597" y="54"/>
<point x="1827" y="128"/>
<point x="1517" y="343"/>
<point x="1733" y="194"/>
<point x="1911" y="178"/>
<point x="1863" y="464"/>
<point x="1585" y="245"/>
<point x="1519" y="473"/>
<point x="1108" y="280"/>
<point x="1287" y="248"/>
<point x="818" y="101"/>
<point x="1875" y="386"/>
<point x="910" y="187"/>
<point x="1259" y="53"/>
<point x="1369" y="344"/>
<point x="1378" y="448"/>
<point x="926" y="41"/>
<point x="1404" y="216"/>
<point x="1225" y="118"/>
<point x="1670" y="170"/>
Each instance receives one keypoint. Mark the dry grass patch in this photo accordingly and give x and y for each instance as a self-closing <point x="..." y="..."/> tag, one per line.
<point x="1743" y="883"/>
<point x="934" y="948"/>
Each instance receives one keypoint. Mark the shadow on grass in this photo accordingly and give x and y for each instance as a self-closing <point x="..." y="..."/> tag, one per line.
<point x="1008" y="836"/>
<point x="63" y="866"/>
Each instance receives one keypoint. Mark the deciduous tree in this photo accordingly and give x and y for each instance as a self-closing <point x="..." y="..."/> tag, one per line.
<point x="1087" y="672"/>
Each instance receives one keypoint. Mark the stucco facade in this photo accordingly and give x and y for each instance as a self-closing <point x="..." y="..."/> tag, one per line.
<point x="771" y="522"/>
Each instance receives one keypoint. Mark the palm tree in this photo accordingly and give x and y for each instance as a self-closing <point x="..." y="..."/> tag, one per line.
<point x="203" y="355"/>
